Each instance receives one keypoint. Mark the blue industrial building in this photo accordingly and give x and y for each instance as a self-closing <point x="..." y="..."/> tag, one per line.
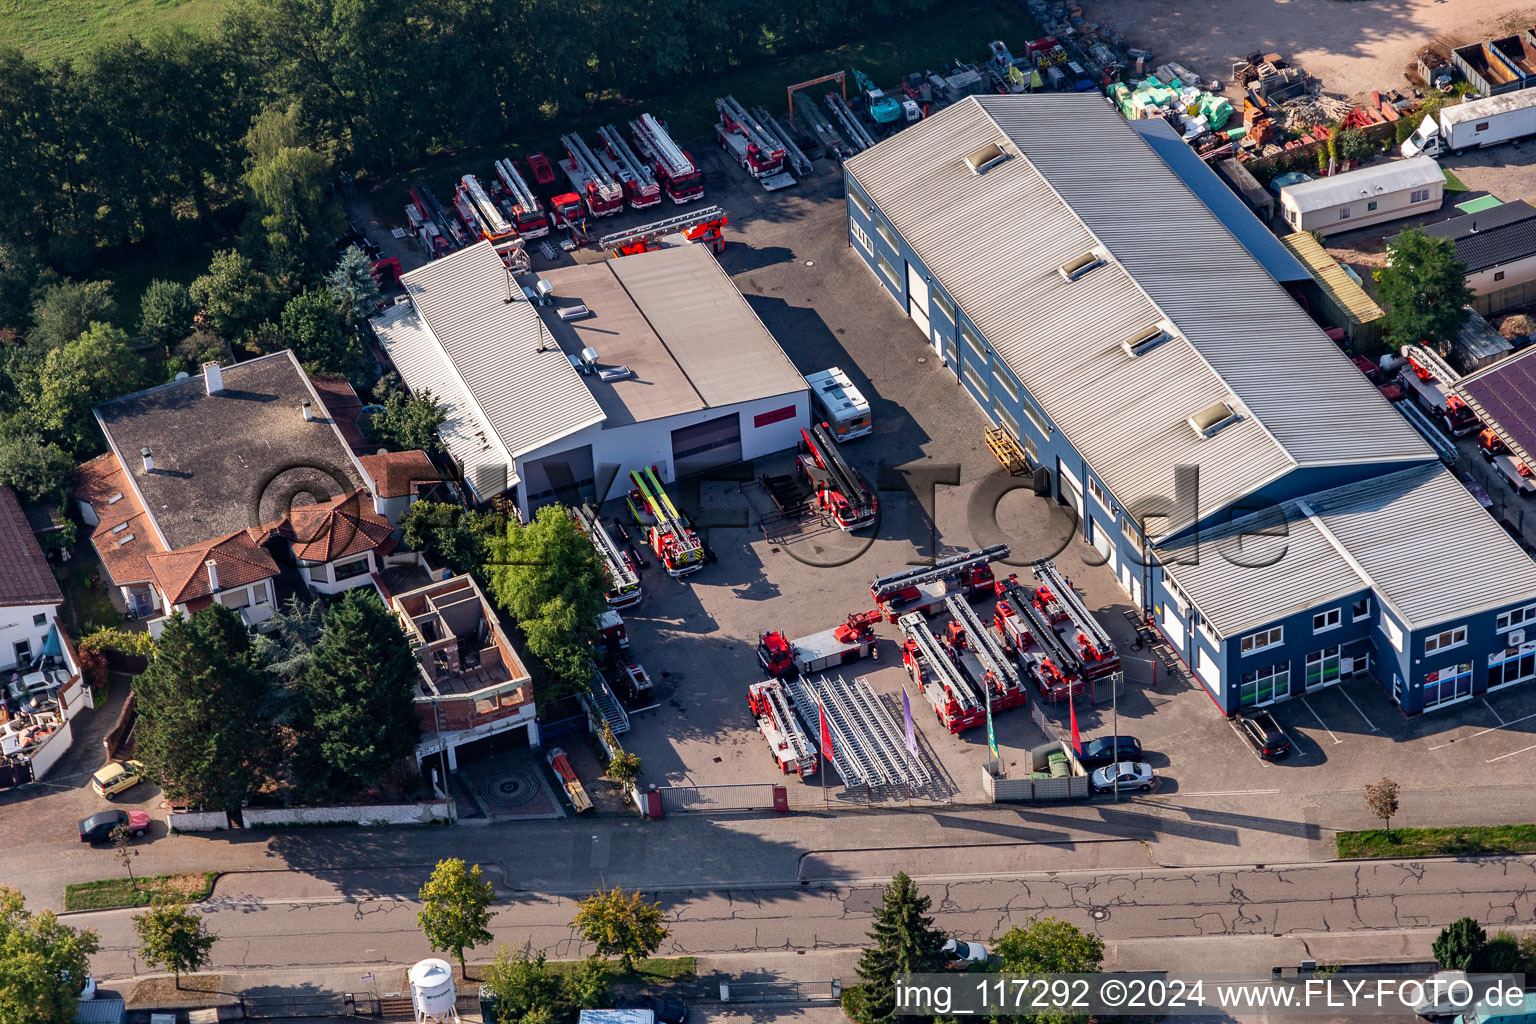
<point x="1285" y="527"/>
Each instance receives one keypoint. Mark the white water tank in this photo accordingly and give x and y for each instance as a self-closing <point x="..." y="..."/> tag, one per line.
<point x="432" y="990"/>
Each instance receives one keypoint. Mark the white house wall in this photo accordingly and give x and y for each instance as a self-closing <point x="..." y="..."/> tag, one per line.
<point x="18" y="627"/>
<point x="1517" y="272"/>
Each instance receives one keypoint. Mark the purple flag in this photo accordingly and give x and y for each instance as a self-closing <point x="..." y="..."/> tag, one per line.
<point x="906" y="717"/>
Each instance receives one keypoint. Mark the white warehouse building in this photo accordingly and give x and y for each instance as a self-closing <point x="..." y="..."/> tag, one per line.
<point x="646" y="360"/>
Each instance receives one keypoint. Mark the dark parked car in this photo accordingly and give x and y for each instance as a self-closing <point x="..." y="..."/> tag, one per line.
<point x="1102" y="751"/>
<point x="667" y="1011"/>
<point x="1264" y="734"/>
<point x="98" y="827"/>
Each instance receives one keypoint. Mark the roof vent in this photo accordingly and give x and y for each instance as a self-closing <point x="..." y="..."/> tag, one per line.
<point x="1213" y="418"/>
<point x="987" y="157"/>
<point x="1142" y="342"/>
<point x="117" y="496"/>
<point x="1074" y="269"/>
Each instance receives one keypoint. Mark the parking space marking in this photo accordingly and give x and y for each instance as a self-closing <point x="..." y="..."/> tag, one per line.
<point x="1483" y="732"/>
<point x="1320" y="720"/>
<point x="1232" y="792"/>
<point x="1512" y="753"/>
<point x="1246" y="745"/>
<point x="1357" y="708"/>
<point x="1496" y="716"/>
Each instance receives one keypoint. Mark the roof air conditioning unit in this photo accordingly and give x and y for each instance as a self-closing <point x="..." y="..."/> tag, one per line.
<point x="1074" y="269"/>
<point x="1142" y="342"/>
<point x="985" y="158"/>
<point x="1211" y="419"/>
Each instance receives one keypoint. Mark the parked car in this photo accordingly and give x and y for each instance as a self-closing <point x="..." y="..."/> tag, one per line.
<point x="116" y="777"/>
<point x="1263" y="734"/>
<point x="98" y="827"/>
<point x="667" y="1011"/>
<point x="1127" y="774"/>
<point x="1108" y="750"/>
<point x="1437" y="1003"/>
<point x="962" y="954"/>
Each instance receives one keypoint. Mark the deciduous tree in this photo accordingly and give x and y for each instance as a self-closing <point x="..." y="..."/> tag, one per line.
<point x="903" y="940"/>
<point x="1048" y="946"/>
<point x="1460" y="945"/>
<point x="313" y="327"/>
<point x="521" y="983"/>
<point x="235" y="295"/>
<point x="621" y="924"/>
<point x="165" y="312"/>
<point x="286" y="176"/>
<point x="58" y="392"/>
<point x="406" y="422"/>
<point x="43" y="964"/>
<point x="456" y="907"/>
<point x="1382" y="799"/>
<point x="1424" y="289"/>
<point x="36" y="468"/>
<point x="452" y="535"/>
<point x="173" y="938"/>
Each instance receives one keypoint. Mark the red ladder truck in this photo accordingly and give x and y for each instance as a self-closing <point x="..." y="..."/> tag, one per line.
<point x="492" y="225"/>
<point x="674" y="167"/>
<point x="849" y="641"/>
<point x="982" y="656"/>
<point x="1431" y="381"/>
<point x="528" y="215"/>
<point x="1093" y="647"/>
<point x="747" y="140"/>
<point x="840" y="490"/>
<point x="792" y="749"/>
<point x="599" y="190"/>
<point x="1035" y="645"/>
<point x="639" y="181"/>
<point x="622" y="572"/>
<point x="704" y="224"/>
<point x="925" y="587"/>
<point x="957" y="704"/>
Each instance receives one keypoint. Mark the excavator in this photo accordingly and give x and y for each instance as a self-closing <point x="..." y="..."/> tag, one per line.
<point x="882" y="108"/>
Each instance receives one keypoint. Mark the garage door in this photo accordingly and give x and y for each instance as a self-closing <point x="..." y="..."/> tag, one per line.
<point x="566" y="478"/>
<point x="707" y="445"/>
<point x="1071" y="489"/>
<point x="1104" y="544"/>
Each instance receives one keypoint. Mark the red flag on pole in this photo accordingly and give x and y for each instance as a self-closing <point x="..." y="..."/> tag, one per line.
<point x="1077" y="741"/>
<point x="826" y="734"/>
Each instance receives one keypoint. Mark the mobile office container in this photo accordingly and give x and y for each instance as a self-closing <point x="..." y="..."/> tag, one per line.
<point x="1370" y="195"/>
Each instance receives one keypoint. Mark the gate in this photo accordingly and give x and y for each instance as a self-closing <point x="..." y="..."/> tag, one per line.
<point x="315" y="1004"/>
<point x="749" y="796"/>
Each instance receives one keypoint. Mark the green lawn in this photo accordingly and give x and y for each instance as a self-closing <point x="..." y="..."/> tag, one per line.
<point x="1453" y="183"/>
<point x="931" y="42"/>
<point x="120" y="892"/>
<point x="72" y="28"/>
<point x="86" y="606"/>
<point x="655" y="971"/>
<point x="1437" y="842"/>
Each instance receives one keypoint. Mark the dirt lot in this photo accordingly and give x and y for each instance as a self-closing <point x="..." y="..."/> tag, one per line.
<point x="1353" y="47"/>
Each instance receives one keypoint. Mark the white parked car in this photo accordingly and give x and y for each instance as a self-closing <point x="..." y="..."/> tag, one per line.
<point x="1129" y="774"/>
<point x="963" y="954"/>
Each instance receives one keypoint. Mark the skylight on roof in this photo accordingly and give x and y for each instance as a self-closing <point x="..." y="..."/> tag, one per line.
<point x="986" y="158"/>
<point x="116" y="497"/>
<point x="124" y="539"/>
<point x="1213" y="418"/>
<point x="1076" y="268"/>
<point x="1144" y="341"/>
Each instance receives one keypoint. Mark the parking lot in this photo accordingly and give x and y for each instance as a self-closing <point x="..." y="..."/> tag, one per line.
<point x="788" y="253"/>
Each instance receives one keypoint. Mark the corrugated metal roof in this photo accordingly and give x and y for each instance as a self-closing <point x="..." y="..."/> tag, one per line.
<point x="1082" y="179"/>
<point x="521" y="382"/>
<point x="1332" y="278"/>
<point x="1490" y="238"/>
<point x="1223" y="203"/>
<point x="702" y="319"/>
<point x="1365" y="183"/>
<point x="101" y="1010"/>
<point x="1379" y="533"/>
<point x="424" y="367"/>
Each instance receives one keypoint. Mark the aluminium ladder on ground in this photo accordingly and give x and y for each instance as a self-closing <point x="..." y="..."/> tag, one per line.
<point x="660" y="228"/>
<point x="867" y="745"/>
<point x="749" y="125"/>
<point x="819" y="125"/>
<point x="943" y="671"/>
<point x="618" y="567"/>
<point x="793" y="152"/>
<point x="590" y="166"/>
<point x="852" y="127"/>
<point x="491" y="219"/>
<point x="522" y="195"/>
<point x="661" y="145"/>
<point x="601" y="699"/>
<point x="944" y="568"/>
<point x="789" y="726"/>
<point x="668" y="518"/>
<point x="625" y="157"/>
<point x="1045" y="571"/>
<point x="983" y="642"/>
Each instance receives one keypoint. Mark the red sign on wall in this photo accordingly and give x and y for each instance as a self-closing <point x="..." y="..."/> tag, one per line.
<point x="776" y="416"/>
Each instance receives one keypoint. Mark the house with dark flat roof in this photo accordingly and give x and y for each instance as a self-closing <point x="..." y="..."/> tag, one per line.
<point x="1498" y="246"/>
<point x="218" y="485"/>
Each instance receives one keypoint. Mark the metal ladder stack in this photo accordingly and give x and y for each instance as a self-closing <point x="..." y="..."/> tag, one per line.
<point x="491" y="220"/>
<point x="816" y="119"/>
<point x="592" y="525"/>
<point x="792" y="152"/>
<point x="851" y="762"/>
<point x="625" y="157"/>
<point x="852" y="127"/>
<point x="661" y="145"/>
<point x="942" y="569"/>
<point x="867" y="743"/>
<point x="592" y="167"/>
<point x="915" y="626"/>
<point x="887" y="735"/>
<point x="734" y="113"/>
<point x="522" y="195"/>
<point x="606" y="704"/>
<point x="983" y="642"/>
<point x="666" y="513"/>
<point x="669" y="226"/>
<point x="789" y="725"/>
<point x="1045" y="572"/>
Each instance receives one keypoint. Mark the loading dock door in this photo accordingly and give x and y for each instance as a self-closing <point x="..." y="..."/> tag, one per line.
<point x="708" y="445"/>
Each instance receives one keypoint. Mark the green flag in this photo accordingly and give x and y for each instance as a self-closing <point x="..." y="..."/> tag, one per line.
<point x="991" y="736"/>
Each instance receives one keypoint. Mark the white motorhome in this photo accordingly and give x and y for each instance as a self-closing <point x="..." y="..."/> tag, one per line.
<point x="1475" y="124"/>
<point x="839" y="404"/>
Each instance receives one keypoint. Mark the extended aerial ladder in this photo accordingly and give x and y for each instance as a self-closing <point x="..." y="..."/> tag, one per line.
<point x="528" y="214"/>
<point x="1095" y="651"/>
<point x="1433" y="382"/>
<point x="993" y="668"/>
<point x="792" y="151"/>
<point x="701" y="224"/>
<point x="1032" y="637"/>
<point x="621" y="570"/>
<point x="639" y="181"/>
<point x="599" y="190"/>
<point x="792" y="749"/>
<point x="926" y="587"/>
<point x="956" y="703"/>
<point x="674" y="167"/>
<point x="840" y="490"/>
<point x="670" y="534"/>
<point x="852" y="127"/>
<point x="761" y="155"/>
<point x="427" y="225"/>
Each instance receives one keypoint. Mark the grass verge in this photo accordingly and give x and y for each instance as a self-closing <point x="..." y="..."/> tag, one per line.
<point x="1437" y="842"/>
<point x="656" y="971"/>
<point x="1453" y="183"/>
<point x="120" y="892"/>
<point x="196" y="989"/>
<point x="72" y="28"/>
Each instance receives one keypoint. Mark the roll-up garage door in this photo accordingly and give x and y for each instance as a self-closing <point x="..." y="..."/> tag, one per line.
<point x="566" y="478"/>
<point x="706" y="445"/>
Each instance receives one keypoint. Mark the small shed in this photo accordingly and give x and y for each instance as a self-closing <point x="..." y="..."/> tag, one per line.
<point x="102" y="1010"/>
<point x="1334" y="297"/>
<point x="1478" y="344"/>
<point x="1370" y="195"/>
<point x="1246" y="185"/>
